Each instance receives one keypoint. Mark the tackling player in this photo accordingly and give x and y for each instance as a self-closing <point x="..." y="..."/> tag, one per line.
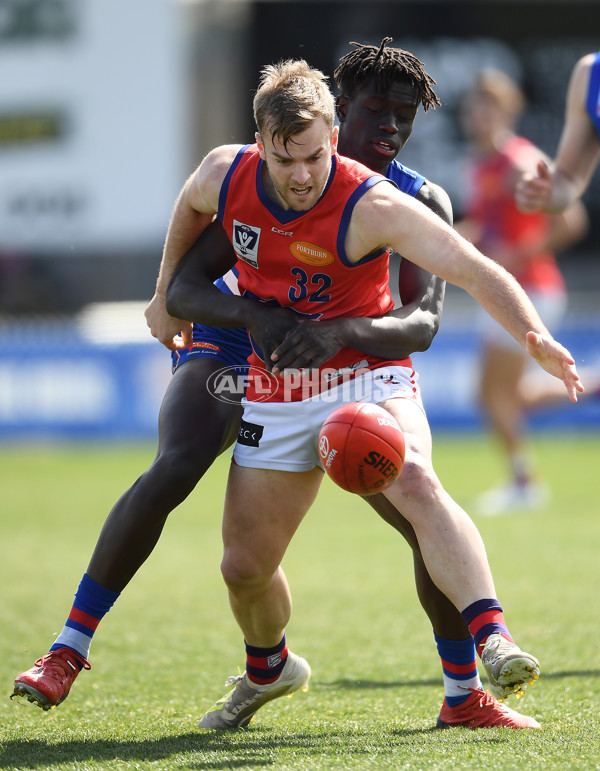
<point x="288" y="186"/>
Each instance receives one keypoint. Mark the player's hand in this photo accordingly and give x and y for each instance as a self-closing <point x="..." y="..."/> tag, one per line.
<point x="174" y="334"/>
<point x="533" y="190"/>
<point x="309" y="344"/>
<point x="268" y="328"/>
<point x="556" y="360"/>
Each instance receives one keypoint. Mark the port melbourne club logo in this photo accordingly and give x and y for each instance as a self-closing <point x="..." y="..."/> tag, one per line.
<point x="245" y="242"/>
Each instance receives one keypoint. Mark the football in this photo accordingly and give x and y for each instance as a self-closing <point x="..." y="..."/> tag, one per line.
<point x="361" y="447"/>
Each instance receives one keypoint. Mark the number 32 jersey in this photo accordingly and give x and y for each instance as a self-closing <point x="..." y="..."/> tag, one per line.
<point x="298" y="259"/>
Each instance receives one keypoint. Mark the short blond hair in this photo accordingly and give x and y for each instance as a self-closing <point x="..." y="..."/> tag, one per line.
<point x="290" y="96"/>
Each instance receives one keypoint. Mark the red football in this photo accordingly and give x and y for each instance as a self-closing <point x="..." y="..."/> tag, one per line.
<point x="361" y="447"/>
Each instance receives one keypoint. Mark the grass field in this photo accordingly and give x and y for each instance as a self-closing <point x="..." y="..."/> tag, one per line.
<point x="160" y="658"/>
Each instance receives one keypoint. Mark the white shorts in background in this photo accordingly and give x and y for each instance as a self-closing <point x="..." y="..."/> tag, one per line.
<point x="283" y="436"/>
<point x="551" y="307"/>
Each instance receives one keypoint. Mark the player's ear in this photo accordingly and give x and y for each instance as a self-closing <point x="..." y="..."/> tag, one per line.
<point x="260" y="144"/>
<point x="341" y="107"/>
<point x="334" y="139"/>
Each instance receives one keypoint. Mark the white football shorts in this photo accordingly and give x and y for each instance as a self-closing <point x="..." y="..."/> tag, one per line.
<point x="284" y="435"/>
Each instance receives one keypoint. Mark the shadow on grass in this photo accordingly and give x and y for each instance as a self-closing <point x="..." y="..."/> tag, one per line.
<point x="376" y="684"/>
<point x="42" y="754"/>
<point x="257" y="747"/>
<point x="570" y="673"/>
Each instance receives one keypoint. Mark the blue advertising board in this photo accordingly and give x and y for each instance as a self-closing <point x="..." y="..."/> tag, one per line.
<point x="54" y="384"/>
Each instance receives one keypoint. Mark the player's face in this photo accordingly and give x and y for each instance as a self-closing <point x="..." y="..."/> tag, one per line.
<point x="374" y="126"/>
<point x="484" y="119"/>
<point x="296" y="175"/>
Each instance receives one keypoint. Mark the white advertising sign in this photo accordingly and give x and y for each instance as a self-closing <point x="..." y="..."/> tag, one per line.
<point x="90" y="123"/>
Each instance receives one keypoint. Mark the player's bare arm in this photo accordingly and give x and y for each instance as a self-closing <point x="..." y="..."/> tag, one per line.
<point x="579" y="147"/>
<point x="567" y="227"/>
<point x="413" y="326"/>
<point x="192" y="295"/>
<point x="210" y="258"/>
<point x="553" y="187"/>
<point x="383" y="216"/>
<point x="194" y="210"/>
<point x="421" y="292"/>
<point x="396" y="335"/>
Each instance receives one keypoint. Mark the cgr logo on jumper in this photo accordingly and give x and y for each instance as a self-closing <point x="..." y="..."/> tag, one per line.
<point x="245" y="242"/>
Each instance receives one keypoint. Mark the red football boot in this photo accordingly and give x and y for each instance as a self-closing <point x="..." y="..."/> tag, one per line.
<point x="49" y="681"/>
<point x="481" y="710"/>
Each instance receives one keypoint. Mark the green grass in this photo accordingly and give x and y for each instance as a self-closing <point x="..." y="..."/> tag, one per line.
<point x="160" y="658"/>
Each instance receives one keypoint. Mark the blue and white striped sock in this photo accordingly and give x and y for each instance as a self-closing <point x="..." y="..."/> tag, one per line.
<point x="92" y="603"/>
<point x="459" y="667"/>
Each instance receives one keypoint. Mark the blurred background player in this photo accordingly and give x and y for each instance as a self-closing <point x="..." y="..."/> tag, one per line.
<point x="381" y="89"/>
<point x="525" y="246"/>
<point x="553" y="188"/>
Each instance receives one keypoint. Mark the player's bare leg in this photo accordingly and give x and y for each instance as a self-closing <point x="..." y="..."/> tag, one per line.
<point x="465" y="704"/>
<point x="454" y="554"/>
<point x="184" y="454"/>
<point x="135" y="523"/>
<point x="444" y="616"/>
<point x="450" y="543"/>
<point x="263" y="509"/>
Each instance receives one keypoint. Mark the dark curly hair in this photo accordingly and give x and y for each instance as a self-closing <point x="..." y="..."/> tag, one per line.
<point x="384" y="65"/>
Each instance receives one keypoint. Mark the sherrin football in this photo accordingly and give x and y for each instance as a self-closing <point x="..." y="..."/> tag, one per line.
<point x="361" y="447"/>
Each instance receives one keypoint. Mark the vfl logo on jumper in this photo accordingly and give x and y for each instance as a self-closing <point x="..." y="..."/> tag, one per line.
<point x="245" y="242"/>
<point x="250" y="434"/>
<point x="311" y="254"/>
